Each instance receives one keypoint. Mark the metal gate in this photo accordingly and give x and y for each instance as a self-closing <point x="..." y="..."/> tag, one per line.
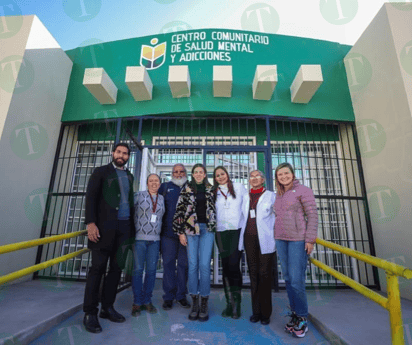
<point x="324" y="154"/>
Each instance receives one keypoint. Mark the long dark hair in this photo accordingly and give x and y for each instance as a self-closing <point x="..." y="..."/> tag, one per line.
<point x="279" y="187"/>
<point x="205" y="181"/>
<point x="229" y="182"/>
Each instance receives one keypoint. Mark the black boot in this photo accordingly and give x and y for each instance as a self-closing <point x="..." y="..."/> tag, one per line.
<point x="91" y="323"/>
<point x="194" y="313"/>
<point x="227" y="312"/>
<point x="204" y="309"/>
<point x="111" y="314"/>
<point x="237" y="301"/>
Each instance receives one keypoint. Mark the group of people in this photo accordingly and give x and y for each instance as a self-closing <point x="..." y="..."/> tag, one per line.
<point x="182" y="219"/>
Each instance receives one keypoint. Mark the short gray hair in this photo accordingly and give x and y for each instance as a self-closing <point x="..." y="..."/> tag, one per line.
<point x="147" y="180"/>
<point x="260" y="173"/>
<point x="180" y="165"/>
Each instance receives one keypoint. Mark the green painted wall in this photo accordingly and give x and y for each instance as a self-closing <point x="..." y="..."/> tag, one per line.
<point x="332" y="100"/>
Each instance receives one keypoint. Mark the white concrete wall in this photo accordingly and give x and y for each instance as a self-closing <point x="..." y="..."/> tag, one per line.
<point x="31" y="125"/>
<point x="379" y="69"/>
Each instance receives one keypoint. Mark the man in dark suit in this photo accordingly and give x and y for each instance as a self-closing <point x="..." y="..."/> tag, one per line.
<point x="109" y="220"/>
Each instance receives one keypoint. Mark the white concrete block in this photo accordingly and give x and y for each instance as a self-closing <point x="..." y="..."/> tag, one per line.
<point x="222" y="81"/>
<point x="99" y="84"/>
<point x="306" y="83"/>
<point x="264" y="82"/>
<point x="139" y="83"/>
<point x="179" y="81"/>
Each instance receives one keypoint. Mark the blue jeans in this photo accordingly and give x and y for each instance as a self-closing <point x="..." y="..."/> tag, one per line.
<point x="174" y="278"/>
<point x="145" y="253"/>
<point x="293" y="261"/>
<point x="199" y="252"/>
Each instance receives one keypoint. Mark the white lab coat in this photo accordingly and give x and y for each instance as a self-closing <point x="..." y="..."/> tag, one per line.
<point x="265" y="220"/>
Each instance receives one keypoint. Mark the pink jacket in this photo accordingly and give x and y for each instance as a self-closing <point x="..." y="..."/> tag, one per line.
<point x="296" y="215"/>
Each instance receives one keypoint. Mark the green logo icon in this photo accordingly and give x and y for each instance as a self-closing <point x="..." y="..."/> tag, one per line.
<point x="406" y="57"/>
<point x="82" y="10"/>
<point x="16" y="74"/>
<point x="405" y="261"/>
<point x="372" y="137"/>
<point x="358" y="71"/>
<point x="11" y="20"/>
<point x="175" y="26"/>
<point x="35" y="205"/>
<point x="384" y="204"/>
<point x="338" y="12"/>
<point x="96" y="54"/>
<point x="403" y="5"/>
<point x="260" y="17"/>
<point x="29" y="140"/>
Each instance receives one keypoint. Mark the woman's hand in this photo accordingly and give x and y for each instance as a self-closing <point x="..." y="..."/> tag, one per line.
<point x="308" y="248"/>
<point x="183" y="239"/>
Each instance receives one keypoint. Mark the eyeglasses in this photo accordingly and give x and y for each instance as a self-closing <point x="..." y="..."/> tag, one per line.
<point x="178" y="171"/>
<point x="254" y="177"/>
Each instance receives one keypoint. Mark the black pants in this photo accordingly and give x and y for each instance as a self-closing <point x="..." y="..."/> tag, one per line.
<point x="100" y="256"/>
<point x="261" y="276"/>
<point x="227" y="243"/>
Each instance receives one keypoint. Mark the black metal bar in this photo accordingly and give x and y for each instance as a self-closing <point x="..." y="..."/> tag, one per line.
<point x="49" y="196"/>
<point x="118" y="130"/>
<point x="367" y="212"/>
<point x="268" y="158"/>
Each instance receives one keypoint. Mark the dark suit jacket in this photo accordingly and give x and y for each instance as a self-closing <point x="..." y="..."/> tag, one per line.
<point x="102" y="204"/>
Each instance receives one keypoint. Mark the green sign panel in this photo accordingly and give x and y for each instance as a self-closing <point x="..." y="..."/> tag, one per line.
<point x="200" y="50"/>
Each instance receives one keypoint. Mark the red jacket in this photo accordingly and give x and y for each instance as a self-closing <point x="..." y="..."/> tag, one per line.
<point x="296" y="215"/>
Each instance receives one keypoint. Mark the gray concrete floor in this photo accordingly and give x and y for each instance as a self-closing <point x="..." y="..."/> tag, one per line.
<point x="49" y="312"/>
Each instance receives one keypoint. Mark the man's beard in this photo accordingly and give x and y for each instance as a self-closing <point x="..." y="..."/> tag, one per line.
<point x="179" y="182"/>
<point x="117" y="164"/>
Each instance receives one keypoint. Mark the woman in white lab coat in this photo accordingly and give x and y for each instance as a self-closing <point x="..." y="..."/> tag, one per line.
<point x="258" y="240"/>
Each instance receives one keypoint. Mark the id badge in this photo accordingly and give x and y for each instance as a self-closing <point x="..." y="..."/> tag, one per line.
<point x="226" y="205"/>
<point x="252" y="214"/>
<point x="153" y="219"/>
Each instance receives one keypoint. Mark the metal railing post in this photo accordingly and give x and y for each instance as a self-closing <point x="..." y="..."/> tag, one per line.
<point x="394" y="308"/>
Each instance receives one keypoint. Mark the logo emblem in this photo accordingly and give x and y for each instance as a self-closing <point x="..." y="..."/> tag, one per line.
<point x="153" y="56"/>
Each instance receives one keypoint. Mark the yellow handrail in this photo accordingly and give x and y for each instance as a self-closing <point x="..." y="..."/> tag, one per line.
<point x="38" y="267"/>
<point x="33" y="243"/>
<point x="398" y="270"/>
<point x="392" y="303"/>
<point x="383" y="301"/>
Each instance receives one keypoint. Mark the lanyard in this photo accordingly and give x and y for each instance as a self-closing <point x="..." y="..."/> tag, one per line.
<point x="224" y="193"/>
<point x="253" y="206"/>
<point x="154" y="203"/>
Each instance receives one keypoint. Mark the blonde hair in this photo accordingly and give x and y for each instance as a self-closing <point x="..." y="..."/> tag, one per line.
<point x="280" y="189"/>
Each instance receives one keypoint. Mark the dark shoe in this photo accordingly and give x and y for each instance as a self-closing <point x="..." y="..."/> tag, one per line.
<point x="301" y="327"/>
<point x="254" y="318"/>
<point x="228" y="311"/>
<point x="167" y="305"/>
<point x="194" y="313"/>
<point x="184" y="303"/>
<point x="204" y="308"/>
<point x="91" y="323"/>
<point x="292" y="322"/>
<point x="112" y="315"/>
<point x="150" y="308"/>
<point x="236" y="300"/>
<point x="136" y="309"/>
<point x="265" y="321"/>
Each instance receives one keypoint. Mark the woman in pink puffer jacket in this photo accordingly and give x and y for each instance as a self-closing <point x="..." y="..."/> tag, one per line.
<point x="296" y="228"/>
